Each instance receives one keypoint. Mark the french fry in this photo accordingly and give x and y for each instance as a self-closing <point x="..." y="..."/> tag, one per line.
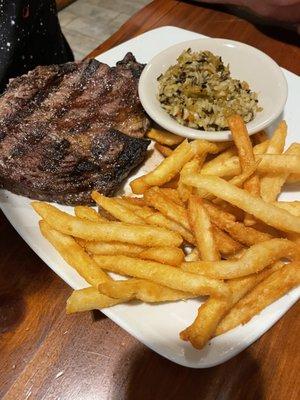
<point x="271" y="184"/>
<point x="112" y="248"/>
<point x="74" y="255"/>
<point x="88" y="213"/>
<point x="173" y="195"/>
<point x="225" y="244"/>
<point x="268" y="213"/>
<point x="217" y="212"/>
<point x="138" y="201"/>
<point x="165" y="255"/>
<point x="190" y="167"/>
<point x="171" y="165"/>
<point x="155" y="198"/>
<point x="255" y="259"/>
<point x="159" y="219"/>
<point x="89" y="299"/>
<point x="245" y="151"/>
<point x="143" y="290"/>
<point x="213" y="310"/>
<point x="227" y="163"/>
<point x="164" y="137"/>
<point x="162" y="274"/>
<point x="143" y="235"/>
<point x="265" y="293"/>
<point x="164" y="150"/>
<point x="203" y="231"/>
<point x="237" y="230"/>
<point x="293" y="207"/>
<point x="116" y="209"/>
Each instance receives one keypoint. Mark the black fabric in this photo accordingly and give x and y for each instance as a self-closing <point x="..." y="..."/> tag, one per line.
<point x="30" y="35"/>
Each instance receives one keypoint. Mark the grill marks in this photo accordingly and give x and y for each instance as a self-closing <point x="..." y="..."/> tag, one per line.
<point x="59" y="130"/>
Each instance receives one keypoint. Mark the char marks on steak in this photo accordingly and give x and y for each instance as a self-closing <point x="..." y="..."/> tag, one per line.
<point x="68" y="129"/>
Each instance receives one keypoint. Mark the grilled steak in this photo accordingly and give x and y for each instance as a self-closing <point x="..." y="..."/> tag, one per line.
<point x="68" y="129"/>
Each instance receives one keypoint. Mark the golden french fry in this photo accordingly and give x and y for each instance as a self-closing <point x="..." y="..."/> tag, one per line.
<point x="217" y="212"/>
<point x="88" y="213"/>
<point x="227" y="163"/>
<point x="225" y="244"/>
<point x="164" y="150"/>
<point x="213" y="310"/>
<point x="191" y="167"/>
<point x="112" y="248"/>
<point x="246" y="157"/>
<point x="271" y="184"/>
<point x="202" y="228"/>
<point x="268" y="213"/>
<point x="143" y="235"/>
<point x="171" y="165"/>
<point x="165" y="255"/>
<point x="138" y="201"/>
<point x="293" y="207"/>
<point x="74" y="255"/>
<point x="265" y="293"/>
<point x="89" y="299"/>
<point x="154" y="197"/>
<point x="164" y="137"/>
<point x="143" y="290"/>
<point x="116" y="209"/>
<point x="255" y="259"/>
<point x="173" y="195"/>
<point x="159" y="219"/>
<point x="237" y="230"/>
<point x="163" y="274"/>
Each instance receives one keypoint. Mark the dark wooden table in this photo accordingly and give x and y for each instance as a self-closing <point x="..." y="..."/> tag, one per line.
<point x="45" y="354"/>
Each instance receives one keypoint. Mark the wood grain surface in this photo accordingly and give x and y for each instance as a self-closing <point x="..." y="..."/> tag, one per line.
<point x="45" y="354"/>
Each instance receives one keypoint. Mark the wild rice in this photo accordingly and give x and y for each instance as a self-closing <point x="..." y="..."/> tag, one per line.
<point x="199" y="92"/>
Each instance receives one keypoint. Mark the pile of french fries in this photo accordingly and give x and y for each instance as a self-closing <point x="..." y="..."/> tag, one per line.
<point x="205" y="222"/>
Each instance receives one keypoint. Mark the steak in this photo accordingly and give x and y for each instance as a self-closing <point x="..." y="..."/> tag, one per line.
<point x="68" y="129"/>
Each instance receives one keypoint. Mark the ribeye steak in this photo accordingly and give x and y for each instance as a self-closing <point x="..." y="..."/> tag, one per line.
<point x="68" y="129"/>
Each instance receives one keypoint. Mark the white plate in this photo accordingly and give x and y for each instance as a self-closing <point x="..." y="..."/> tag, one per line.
<point x="158" y="326"/>
<point x="266" y="79"/>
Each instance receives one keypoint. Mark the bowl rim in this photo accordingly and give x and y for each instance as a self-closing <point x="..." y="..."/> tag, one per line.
<point x="173" y="126"/>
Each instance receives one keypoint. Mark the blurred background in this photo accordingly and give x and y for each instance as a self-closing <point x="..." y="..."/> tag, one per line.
<point x="87" y="23"/>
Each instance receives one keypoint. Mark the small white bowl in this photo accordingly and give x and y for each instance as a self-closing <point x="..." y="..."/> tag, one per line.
<point x="246" y="63"/>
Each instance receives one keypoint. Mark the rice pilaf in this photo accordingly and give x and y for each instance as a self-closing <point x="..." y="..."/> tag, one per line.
<point x="199" y="92"/>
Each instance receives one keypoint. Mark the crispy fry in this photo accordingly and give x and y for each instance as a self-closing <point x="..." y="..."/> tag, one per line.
<point x="293" y="207"/>
<point x="227" y="163"/>
<point x="164" y="137"/>
<point x="163" y="274"/>
<point x="271" y="184"/>
<point x="74" y="255"/>
<point x="116" y="209"/>
<point x="88" y="213"/>
<point x="89" y="299"/>
<point x="143" y="235"/>
<point x="259" y="137"/>
<point x="268" y="213"/>
<point x="164" y="150"/>
<point x="225" y="244"/>
<point x="157" y="199"/>
<point x="159" y="219"/>
<point x="173" y="195"/>
<point x="237" y="230"/>
<point x="138" y="201"/>
<point x="112" y="248"/>
<point x="165" y="255"/>
<point x="265" y="293"/>
<point x="202" y="228"/>
<point x="171" y="165"/>
<point x="255" y="259"/>
<point x="143" y="290"/>
<point x="213" y="310"/>
<point x="191" y="167"/>
<point x="217" y="212"/>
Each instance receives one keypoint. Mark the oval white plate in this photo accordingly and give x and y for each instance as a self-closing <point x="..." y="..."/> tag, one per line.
<point x="246" y="64"/>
